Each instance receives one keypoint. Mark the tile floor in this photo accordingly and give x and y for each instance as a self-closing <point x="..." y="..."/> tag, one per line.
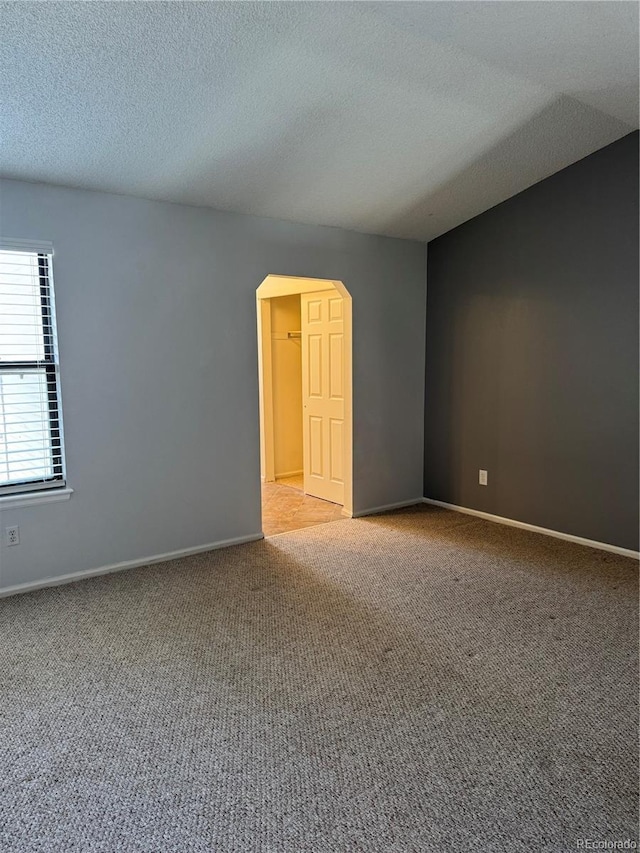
<point x="286" y="507"/>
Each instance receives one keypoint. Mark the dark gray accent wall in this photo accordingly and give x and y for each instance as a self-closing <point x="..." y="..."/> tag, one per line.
<point x="532" y="354"/>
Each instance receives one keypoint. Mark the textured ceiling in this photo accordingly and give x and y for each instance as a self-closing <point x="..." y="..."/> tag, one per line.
<point x="394" y="118"/>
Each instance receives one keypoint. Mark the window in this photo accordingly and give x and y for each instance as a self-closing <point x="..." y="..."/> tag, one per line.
<point x="31" y="451"/>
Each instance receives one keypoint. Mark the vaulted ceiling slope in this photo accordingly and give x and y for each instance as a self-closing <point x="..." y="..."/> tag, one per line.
<point x="394" y="118"/>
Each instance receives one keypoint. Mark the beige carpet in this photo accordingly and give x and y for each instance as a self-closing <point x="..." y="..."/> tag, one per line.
<point x="420" y="681"/>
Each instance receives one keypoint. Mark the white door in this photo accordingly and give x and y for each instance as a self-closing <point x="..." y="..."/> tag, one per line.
<point x="323" y="394"/>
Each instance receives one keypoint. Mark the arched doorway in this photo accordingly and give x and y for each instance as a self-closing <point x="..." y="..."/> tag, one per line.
<point x="305" y="386"/>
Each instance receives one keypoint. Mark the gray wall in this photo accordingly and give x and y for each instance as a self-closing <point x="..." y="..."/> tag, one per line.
<point x="532" y="354"/>
<point x="157" y="337"/>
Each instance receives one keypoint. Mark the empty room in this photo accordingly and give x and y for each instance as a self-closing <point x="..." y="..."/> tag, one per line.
<point x="319" y="440"/>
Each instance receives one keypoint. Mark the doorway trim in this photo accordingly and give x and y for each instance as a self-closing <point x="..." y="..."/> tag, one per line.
<point x="282" y="285"/>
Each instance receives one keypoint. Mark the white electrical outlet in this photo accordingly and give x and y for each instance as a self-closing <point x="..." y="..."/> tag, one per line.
<point x="12" y="535"/>
<point x="483" y="477"/>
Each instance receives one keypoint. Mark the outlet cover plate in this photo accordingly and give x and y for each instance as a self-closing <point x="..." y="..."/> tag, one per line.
<point x="12" y="535"/>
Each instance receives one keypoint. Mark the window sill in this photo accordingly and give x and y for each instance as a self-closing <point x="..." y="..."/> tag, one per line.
<point x="32" y="498"/>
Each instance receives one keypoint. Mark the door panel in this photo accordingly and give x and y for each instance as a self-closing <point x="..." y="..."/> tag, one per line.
<point x="315" y="446"/>
<point x="314" y="310"/>
<point x="336" y="444"/>
<point x="323" y="395"/>
<point x="335" y="308"/>
<point x="336" y="367"/>
<point x="315" y="366"/>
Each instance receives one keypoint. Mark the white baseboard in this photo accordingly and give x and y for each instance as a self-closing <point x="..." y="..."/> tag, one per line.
<point x="128" y="564"/>
<point x="288" y="474"/>
<point x="510" y="522"/>
<point x="374" y="510"/>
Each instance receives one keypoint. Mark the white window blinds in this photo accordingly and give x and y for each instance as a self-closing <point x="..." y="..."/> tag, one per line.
<point x="30" y="419"/>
